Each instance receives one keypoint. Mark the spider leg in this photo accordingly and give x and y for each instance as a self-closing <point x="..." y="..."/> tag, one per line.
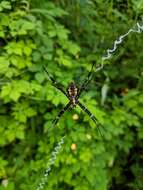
<point x="86" y="81"/>
<point x="55" y="121"/>
<point x="54" y="83"/>
<point x="91" y="117"/>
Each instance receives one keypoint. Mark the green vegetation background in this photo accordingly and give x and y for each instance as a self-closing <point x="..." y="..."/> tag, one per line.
<point x="68" y="36"/>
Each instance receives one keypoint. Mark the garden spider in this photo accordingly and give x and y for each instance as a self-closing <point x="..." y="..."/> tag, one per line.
<point x="73" y="93"/>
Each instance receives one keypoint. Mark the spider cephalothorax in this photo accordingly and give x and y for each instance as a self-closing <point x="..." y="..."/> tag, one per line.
<point x="73" y="93"/>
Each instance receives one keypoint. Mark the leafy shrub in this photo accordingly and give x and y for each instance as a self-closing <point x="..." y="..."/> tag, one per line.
<point x="67" y="37"/>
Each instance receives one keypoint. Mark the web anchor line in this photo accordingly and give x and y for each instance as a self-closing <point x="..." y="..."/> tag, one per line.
<point x="51" y="162"/>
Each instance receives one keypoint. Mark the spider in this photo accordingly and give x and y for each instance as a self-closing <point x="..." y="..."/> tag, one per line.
<point x="73" y="93"/>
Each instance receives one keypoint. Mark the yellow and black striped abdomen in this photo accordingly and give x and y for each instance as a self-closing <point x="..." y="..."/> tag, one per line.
<point x="72" y="92"/>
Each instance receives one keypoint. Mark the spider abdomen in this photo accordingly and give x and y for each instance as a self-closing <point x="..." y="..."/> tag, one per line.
<point x="72" y="92"/>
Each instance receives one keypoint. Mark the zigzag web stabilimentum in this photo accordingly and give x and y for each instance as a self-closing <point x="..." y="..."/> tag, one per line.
<point x="137" y="29"/>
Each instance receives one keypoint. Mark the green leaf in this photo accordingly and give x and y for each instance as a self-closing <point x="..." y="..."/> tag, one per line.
<point x="6" y="90"/>
<point x="36" y="56"/>
<point x="20" y="134"/>
<point x="4" y="63"/>
<point x="85" y="156"/>
<point x="71" y="47"/>
<point x="27" y="50"/>
<point x="11" y="186"/>
<point x="2" y="34"/>
<point x="40" y="77"/>
<point x="15" y="94"/>
<point x="5" y="5"/>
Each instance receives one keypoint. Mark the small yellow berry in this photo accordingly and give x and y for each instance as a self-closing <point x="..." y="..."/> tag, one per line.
<point x="73" y="146"/>
<point x="75" y="117"/>
<point x="88" y="136"/>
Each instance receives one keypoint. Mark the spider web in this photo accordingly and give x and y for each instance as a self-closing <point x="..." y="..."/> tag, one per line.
<point x="137" y="29"/>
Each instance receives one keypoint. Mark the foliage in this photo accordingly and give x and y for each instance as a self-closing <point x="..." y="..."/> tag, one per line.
<point x="68" y="36"/>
